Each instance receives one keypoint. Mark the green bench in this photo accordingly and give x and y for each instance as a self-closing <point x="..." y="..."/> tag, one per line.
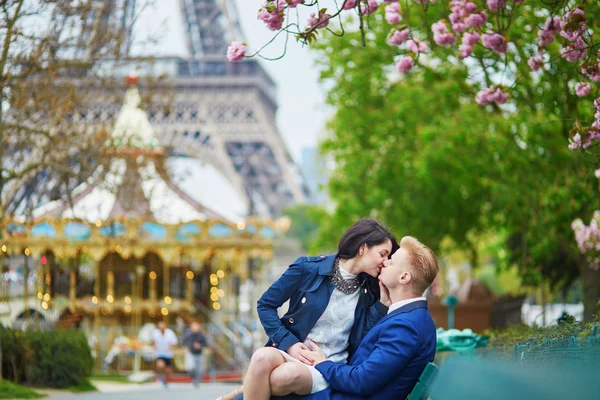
<point x="423" y="387"/>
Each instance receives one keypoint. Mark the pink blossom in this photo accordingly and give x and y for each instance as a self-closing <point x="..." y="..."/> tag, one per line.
<point x="399" y="37"/>
<point x="459" y="27"/>
<point x="592" y="72"/>
<point x="582" y="89"/>
<point x="552" y="25"/>
<point x="349" y="5"/>
<point x="495" y="4"/>
<point x="416" y="46"/>
<point x="392" y="13"/>
<point x="465" y="51"/>
<point x="470" y="7"/>
<point x="574" y="51"/>
<point x="535" y="63"/>
<point x="294" y="3"/>
<point x="319" y="22"/>
<point x="272" y="14"/>
<point x="575" y="142"/>
<point x="544" y="38"/>
<point x="405" y="64"/>
<point x="369" y="7"/>
<point x="495" y="42"/>
<point x="571" y="29"/>
<point x="597" y="173"/>
<point x="236" y="51"/>
<point x="491" y="95"/>
<point x="471" y="39"/>
<point x="476" y="20"/>
<point x="441" y="35"/>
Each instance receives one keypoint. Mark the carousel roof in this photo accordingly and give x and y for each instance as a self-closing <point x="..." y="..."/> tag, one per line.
<point x="166" y="190"/>
<point x="141" y="198"/>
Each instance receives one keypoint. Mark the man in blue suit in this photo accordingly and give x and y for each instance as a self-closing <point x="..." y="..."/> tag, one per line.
<point x="392" y="356"/>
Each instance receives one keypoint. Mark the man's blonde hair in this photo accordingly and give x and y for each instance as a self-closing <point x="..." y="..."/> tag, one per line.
<point x="423" y="262"/>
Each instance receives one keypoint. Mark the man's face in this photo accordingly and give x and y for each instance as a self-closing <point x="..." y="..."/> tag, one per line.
<point x="162" y="326"/>
<point x="395" y="269"/>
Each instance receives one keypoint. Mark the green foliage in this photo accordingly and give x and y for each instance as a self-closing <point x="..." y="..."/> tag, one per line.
<point x="305" y="222"/>
<point x="9" y="390"/>
<point x="417" y="153"/>
<point x="83" y="386"/>
<point x="56" y="359"/>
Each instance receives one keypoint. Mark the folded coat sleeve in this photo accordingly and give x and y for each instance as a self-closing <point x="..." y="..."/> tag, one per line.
<point x="395" y="347"/>
<point x="273" y="298"/>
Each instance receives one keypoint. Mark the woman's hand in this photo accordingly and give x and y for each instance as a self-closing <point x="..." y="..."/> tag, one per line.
<point x="297" y="351"/>
<point x="315" y="355"/>
<point x="384" y="296"/>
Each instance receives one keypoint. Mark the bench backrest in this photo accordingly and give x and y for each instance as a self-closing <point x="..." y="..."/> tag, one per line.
<point x="423" y="387"/>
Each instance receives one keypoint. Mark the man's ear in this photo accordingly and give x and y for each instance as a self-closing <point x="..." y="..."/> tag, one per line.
<point x="405" y="278"/>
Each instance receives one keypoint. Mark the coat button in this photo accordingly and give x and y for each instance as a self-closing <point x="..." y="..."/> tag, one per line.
<point x="365" y="290"/>
<point x="274" y="344"/>
<point x="303" y="300"/>
<point x="291" y="320"/>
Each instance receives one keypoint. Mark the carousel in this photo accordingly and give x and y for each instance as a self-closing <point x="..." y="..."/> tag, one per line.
<point x="149" y="237"/>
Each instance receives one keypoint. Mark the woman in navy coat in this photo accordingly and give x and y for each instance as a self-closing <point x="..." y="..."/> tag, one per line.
<point x="334" y="301"/>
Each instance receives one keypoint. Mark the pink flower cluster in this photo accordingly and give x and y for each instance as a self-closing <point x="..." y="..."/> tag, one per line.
<point x="368" y="7"/>
<point x="294" y="3"/>
<point x="405" y="64"/>
<point x="573" y="27"/>
<point x="469" y="40"/>
<point x="588" y="239"/>
<point x="495" y="42"/>
<point x="495" y="4"/>
<point x="582" y="89"/>
<point x="491" y="95"/>
<point x="272" y="14"/>
<point x="392" y="13"/>
<point x="399" y="37"/>
<point x="574" y="51"/>
<point x="573" y="24"/>
<point x="584" y="140"/>
<point x="320" y="21"/>
<point x="441" y="35"/>
<point x="463" y="16"/>
<point x="535" y="63"/>
<point x="349" y="5"/>
<point x="236" y="51"/>
<point x="551" y="28"/>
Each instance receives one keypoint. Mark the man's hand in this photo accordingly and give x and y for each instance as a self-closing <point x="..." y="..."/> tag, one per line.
<point x="315" y="355"/>
<point x="296" y="350"/>
<point x="384" y="296"/>
<point x="197" y="345"/>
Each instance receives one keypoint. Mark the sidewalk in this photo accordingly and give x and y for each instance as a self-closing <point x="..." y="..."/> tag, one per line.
<point x="147" y="391"/>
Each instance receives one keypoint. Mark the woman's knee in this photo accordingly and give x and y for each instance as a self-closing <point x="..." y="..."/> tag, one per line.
<point x="266" y="359"/>
<point x="290" y="377"/>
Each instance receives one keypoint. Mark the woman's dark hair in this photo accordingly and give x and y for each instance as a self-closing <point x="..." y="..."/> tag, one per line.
<point x="366" y="231"/>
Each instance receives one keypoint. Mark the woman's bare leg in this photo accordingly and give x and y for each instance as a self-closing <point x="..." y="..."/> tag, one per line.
<point x="263" y="362"/>
<point x="291" y="377"/>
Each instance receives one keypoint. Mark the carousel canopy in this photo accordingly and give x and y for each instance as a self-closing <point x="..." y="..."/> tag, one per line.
<point x="143" y="198"/>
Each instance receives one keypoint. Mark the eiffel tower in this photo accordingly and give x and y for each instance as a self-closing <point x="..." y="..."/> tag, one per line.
<point x="222" y="113"/>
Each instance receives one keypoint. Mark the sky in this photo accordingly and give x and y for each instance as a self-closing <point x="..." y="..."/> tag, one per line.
<point x="301" y="115"/>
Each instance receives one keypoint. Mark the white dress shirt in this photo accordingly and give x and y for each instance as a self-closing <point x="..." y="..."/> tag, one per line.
<point x="402" y="303"/>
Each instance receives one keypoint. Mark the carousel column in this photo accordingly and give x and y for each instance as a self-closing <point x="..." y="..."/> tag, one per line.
<point x="73" y="284"/>
<point x="166" y="284"/>
<point x="26" y="314"/>
<point x="140" y="271"/>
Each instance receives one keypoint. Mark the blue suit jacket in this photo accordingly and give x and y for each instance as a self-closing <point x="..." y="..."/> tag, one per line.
<point x="307" y="285"/>
<point x="388" y="362"/>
